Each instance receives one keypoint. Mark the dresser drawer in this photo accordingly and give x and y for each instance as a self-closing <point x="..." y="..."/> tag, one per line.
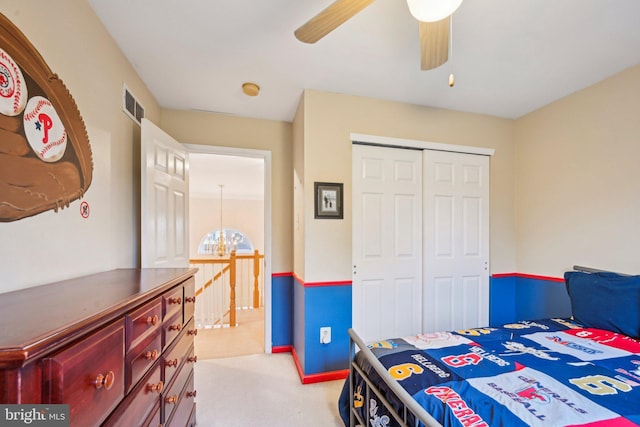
<point x="170" y="330"/>
<point x="143" y="322"/>
<point x="89" y="375"/>
<point x="176" y="413"/>
<point x="140" y="358"/>
<point x="175" y="387"/>
<point x="189" y="298"/>
<point x="172" y="303"/>
<point x="140" y="403"/>
<point x="155" y="419"/>
<point x="176" y="356"/>
<point x="192" y="418"/>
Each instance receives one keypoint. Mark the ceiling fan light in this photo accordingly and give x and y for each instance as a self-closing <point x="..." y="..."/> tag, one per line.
<point x="432" y="10"/>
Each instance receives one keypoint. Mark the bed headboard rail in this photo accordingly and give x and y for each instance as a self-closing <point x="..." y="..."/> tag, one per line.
<point x="594" y="270"/>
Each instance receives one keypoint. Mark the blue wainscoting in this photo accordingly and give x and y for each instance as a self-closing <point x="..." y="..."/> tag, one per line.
<point x="327" y="306"/>
<point x="301" y="309"/>
<point x="516" y="296"/>
<point x="317" y="305"/>
<point x="282" y="310"/>
<point x="502" y="298"/>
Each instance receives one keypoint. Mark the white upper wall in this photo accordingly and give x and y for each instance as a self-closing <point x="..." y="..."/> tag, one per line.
<point x="576" y="199"/>
<point x="330" y="119"/>
<point x="54" y="246"/>
<point x="578" y="180"/>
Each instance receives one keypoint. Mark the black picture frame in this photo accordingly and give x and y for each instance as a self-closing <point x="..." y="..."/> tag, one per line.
<point x="328" y="200"/>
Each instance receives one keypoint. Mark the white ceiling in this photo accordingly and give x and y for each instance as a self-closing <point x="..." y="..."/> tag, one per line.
<point x="241" y="177"/>
<point x="510" y="57"/>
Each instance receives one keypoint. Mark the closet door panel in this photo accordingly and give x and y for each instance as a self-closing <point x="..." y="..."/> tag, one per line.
<point x="456" y="241"/>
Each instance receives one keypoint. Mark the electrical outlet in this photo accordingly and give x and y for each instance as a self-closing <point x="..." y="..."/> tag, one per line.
<point x="325" y="335"/>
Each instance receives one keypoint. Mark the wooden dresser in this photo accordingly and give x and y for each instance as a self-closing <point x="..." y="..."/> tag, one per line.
<point x="118" y="347"/>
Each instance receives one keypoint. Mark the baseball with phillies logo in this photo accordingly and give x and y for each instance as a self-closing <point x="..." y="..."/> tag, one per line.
<point x="13" y="91"/>
<point x="44" y="129"/>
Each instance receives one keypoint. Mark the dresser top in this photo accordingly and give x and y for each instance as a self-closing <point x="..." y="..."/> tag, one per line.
<point x="42" y="318"/>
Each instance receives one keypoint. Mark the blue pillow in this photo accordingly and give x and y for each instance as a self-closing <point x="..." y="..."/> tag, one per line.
<point x="607" y="301"/>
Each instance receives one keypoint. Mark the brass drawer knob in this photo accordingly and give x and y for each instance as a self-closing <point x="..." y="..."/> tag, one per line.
<point x="151" y="355"/>
<point x="175" y="300"/>
<point x="175" y="327"/>
<point x="155" y="387"/>
<point x="190" y="299"/>
<point x="192" y="359"/>
<point x="173" y="362"/>
<point x="153" y="321"/>
<point x="171" y="399"/>
<point x="192" y="332"/>
<point x="192" y="393"/>
<point x="105" y="380"/>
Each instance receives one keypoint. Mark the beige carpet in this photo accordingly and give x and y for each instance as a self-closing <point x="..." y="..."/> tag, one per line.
<point x="246" y="338"/>
<point x="262" y="390"/>
<point x="239" y="385"/>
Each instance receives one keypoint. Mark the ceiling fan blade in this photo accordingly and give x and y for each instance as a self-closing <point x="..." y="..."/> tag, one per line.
<point x="434" y="43"/>
<point x="329" y="19"/>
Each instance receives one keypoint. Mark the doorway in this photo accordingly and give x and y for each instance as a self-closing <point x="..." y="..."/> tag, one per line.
<point x="230" y="189"/>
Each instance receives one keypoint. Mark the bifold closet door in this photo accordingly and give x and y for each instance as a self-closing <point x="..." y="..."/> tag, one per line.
<point x="386" y="241"/>
<point x="456" y="241"/>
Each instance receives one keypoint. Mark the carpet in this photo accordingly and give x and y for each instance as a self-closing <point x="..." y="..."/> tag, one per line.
<point x="262" y="390"/>
<point x="246" y="338"/>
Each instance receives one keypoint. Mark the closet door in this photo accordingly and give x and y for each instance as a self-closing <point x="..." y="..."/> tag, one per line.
<point x="387" y="241"/>
<point x="456" y="241"/>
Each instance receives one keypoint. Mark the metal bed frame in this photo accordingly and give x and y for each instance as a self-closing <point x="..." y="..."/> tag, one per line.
<point x="411" y="414"/>
<point x="410" y="406"/>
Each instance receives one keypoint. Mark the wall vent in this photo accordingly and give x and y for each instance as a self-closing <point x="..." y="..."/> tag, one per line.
<point x="131" y="106"/>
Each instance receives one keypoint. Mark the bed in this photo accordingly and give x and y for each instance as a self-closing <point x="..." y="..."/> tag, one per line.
<point x="577" y="371"/>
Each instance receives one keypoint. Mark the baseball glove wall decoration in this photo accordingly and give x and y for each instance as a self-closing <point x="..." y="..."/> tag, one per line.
<point x="45" y="155"/>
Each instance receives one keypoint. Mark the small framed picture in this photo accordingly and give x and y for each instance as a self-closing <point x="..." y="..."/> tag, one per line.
<point x="328" y="203"/>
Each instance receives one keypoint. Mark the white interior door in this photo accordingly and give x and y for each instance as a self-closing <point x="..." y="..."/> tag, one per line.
<point x="164" y="199"/>
<point x="456" y="241"/>
<point x="387" y="241"/>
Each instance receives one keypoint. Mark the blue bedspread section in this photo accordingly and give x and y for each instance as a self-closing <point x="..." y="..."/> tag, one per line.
<point x="549" y="372"/>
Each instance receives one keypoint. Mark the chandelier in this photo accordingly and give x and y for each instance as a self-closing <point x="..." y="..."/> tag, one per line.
<point x="222" y="249"/>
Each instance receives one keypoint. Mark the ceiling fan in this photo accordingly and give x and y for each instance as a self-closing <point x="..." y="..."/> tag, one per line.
<point x="434" y="17"/>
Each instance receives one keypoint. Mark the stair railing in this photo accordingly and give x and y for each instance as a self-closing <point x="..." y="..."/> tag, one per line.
<point x="226" y="284"/>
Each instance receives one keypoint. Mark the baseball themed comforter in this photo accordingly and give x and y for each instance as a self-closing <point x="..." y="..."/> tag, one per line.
<point x="550" y="372"/>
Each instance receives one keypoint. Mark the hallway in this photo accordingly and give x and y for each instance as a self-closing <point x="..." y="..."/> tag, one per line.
<point x="245" y="339"/>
